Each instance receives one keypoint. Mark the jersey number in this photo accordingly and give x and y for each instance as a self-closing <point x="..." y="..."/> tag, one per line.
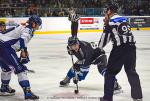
<point x="124" y="29"/>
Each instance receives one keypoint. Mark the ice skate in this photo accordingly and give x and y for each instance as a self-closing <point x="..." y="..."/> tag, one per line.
<point x="117" y="88"/>
<point x="65" y="82"/>
<point x="102" y="99"/>
<point x="6" y="90"/>
<point x="29" y="95"/>
<point x="137" y="100"/>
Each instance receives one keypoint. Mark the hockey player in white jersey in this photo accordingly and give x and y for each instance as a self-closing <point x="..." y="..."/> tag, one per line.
<point x="2" y="65"/>
<point x="20" y="35"/>
<point x="16" y="47"/>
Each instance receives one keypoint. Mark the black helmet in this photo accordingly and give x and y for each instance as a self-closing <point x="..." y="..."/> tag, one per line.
<point x="36" y="19"/>
<point x="113" y="7"/>
<point x="72" y="41"/>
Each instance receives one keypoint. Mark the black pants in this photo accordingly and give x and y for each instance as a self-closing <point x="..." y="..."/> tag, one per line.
<point x="122" y="55"/>
<point x="74" y="28"/>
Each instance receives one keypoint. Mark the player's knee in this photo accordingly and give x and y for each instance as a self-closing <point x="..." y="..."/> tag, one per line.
<point x="6" y="75"/>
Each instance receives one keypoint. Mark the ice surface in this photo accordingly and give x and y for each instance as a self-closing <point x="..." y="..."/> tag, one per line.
<point x="50" y="61"/>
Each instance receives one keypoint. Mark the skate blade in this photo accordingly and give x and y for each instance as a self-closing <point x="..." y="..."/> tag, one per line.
<point x="6" y="94"/>
<point x="118" y="92"/>
<point x="32" y="100"/>
<point x="64" y="85"/>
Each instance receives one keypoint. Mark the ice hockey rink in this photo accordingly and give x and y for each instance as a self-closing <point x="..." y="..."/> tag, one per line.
<point x="50" y="61"/>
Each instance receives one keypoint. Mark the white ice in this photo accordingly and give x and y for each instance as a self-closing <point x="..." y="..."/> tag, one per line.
<point x="51" y="62"/>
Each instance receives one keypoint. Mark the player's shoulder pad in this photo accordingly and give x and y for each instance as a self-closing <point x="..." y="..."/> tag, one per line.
<point x="84" y="43"/>
<point x="28" y="30"/>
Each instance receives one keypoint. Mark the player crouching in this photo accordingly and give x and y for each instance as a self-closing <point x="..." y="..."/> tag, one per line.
<point x="86" y="56"/>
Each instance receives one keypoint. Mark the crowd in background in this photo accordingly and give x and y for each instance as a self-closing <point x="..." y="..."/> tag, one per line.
<point x="48" y="8"/>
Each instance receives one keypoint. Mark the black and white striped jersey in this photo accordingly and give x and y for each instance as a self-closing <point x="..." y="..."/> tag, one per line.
<point x="73" y="17"/>
<point x="118" y="31"/>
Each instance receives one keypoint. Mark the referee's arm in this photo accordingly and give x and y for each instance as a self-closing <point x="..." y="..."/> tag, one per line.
<point x="105" y="38"/>
<point x="77" y="18"/>
<point x="69" y="18"/>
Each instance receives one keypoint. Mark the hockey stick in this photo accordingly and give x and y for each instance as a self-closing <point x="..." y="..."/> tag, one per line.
<point x="30" y="71"/>
<point x="75" y="77"/>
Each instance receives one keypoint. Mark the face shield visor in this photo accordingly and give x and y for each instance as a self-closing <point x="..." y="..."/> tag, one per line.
<point x="38" y="27"/>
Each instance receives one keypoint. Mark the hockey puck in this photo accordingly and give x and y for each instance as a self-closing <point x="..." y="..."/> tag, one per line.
<point x="76" y="91"/>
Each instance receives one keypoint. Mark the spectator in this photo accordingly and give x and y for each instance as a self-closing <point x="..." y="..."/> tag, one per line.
<point x="31" y="7"/>
<point x="62" y="12"/>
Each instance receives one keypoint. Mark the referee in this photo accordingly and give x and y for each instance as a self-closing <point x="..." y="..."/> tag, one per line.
<point x="123" y="53"/>
<point x="73" y="17"/>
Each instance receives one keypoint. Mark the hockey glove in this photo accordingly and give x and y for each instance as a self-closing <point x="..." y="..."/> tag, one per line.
<point x="24" y="56"/>
<point x="76" y="67"/>
<point x="76" y="78"/>
<point x="24" y="60"/>
<point x="99" y="51"/>
<point x="70" y="52"/>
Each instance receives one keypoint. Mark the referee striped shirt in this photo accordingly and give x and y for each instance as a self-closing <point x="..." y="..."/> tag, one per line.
<point x="118" y="31"/>
<point x="73" y="17"/>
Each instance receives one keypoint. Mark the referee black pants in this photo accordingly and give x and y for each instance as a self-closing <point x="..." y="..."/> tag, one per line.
<point x="123" y="55"/>
<point x="74" y="28"/>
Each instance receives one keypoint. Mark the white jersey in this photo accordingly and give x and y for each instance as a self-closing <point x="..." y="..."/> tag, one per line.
<point x="22" y="34"/>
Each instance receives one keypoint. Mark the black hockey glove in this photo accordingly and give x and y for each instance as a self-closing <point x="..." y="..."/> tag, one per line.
<point x="76" y="67"/>
<point x="24" y="60"/>
<point x="70" y="52"/>
<point x="24" y="56"/>
<point x="98" y="50"/>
